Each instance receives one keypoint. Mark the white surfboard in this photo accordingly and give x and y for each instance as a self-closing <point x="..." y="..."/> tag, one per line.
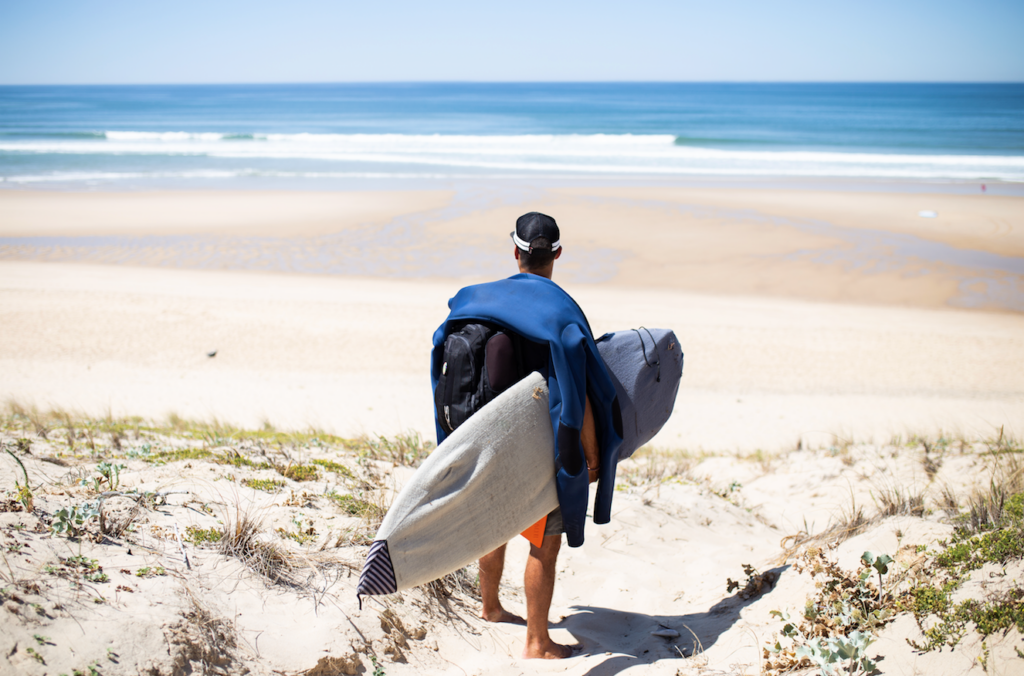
<point x="494" y="476"/>
<point x="491" y="478"/>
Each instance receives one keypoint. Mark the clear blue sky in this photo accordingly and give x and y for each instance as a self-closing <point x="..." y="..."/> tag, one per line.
<point x="139" y="41"/>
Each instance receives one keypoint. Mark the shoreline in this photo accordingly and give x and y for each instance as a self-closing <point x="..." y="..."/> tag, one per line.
<point x="431" y="183"/>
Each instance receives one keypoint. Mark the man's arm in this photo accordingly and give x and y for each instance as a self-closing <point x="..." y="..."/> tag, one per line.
<point x="588" y="437"/>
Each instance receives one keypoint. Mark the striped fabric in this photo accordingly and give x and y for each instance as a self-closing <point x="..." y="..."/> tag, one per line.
<point x="378" y="575"/>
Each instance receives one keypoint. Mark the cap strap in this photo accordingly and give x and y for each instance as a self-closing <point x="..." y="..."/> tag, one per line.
<point x="526" y="246"/>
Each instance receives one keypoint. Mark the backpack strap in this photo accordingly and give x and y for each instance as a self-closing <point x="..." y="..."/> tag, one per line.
<point x="450" y="369"/>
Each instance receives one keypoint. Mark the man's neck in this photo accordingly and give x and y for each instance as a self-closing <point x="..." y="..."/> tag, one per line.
<point x="545" y="272"/>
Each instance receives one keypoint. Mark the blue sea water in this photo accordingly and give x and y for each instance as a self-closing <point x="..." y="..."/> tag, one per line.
<point x="255" y="135"/>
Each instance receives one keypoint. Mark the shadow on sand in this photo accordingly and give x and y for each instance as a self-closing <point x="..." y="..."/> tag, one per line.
<point x="627" y="636"/>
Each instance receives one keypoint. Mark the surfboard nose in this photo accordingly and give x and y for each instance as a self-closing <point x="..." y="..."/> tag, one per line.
<point x="378" y="576"/>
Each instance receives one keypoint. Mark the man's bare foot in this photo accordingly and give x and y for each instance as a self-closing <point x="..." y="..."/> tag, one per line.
<point x="502" y="615"/>
<point x="548" y="651"/>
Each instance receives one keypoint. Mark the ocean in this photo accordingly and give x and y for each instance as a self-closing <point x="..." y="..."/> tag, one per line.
<point x="328" y="135"/>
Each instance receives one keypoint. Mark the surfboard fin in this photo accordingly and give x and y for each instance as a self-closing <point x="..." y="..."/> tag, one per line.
<point x="535" y="533"/>
<point x="378" y="576"/>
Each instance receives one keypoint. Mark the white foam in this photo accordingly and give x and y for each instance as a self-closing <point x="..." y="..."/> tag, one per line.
<point x="165" y="136"/>
<point x="533" y="154"/>
<point x="76" y="176"/>
<point x="101" y="176"/>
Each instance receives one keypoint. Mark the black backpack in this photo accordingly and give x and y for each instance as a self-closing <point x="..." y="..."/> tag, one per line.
<point x="465" y="384"/>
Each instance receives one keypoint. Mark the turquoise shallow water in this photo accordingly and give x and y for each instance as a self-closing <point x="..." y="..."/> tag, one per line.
<point x="329" y="135"/>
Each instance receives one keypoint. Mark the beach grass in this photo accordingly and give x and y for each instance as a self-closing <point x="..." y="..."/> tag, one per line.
<point x="318" y="499"/>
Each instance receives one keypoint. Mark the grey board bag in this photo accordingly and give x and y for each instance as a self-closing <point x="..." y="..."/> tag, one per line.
<point x="646" y="366"/>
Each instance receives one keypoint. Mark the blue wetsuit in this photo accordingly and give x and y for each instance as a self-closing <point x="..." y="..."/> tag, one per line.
<point x="539" y="310"/>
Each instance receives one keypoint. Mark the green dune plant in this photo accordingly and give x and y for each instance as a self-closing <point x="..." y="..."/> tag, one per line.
<point x="23" y="492"/>
<point x="335" y="467"/>
<point x="408" y="449"/>
<point x="997" y="539"/>
<point x="109" y="476"/>
<point x="300" y="472"/>
<point x="350" y="504"/>
<point x="266" y="485"/>
<point x="175" y="455"/>
<point x="303" y="534"/>
<point x="150" y="571"/>
<point x="236" y="459"/>
<point x="203" y="537"/>
<point x="839" y="622"/>
<point x="71" y="520"/>
<point x="77" y="568"/>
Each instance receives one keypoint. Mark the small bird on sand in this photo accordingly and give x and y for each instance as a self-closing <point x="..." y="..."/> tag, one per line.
<point x="212" y="354"/>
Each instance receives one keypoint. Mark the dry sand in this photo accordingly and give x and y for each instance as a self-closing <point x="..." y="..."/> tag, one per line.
<point x="808" y="318"/>
<point x="350" y="355"/>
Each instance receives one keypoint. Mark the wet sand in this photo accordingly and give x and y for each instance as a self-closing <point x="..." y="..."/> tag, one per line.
<point x="830" y="246"/>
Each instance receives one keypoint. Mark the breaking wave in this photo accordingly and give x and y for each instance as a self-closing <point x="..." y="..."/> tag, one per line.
<point x="391" y="155"/>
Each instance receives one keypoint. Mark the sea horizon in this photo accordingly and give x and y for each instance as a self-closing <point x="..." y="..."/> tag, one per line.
<point x="266" y="135"/>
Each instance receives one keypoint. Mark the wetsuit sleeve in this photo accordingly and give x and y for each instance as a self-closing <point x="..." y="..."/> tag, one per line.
<point x="572" y="478"/>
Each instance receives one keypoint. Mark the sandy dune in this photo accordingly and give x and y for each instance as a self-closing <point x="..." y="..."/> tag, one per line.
<point x="681" y="527"/>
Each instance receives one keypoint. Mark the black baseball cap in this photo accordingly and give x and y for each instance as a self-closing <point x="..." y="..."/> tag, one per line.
<point x="532" y="226"/>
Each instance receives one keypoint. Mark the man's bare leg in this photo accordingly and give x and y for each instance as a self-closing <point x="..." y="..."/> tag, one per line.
<point x="491" y="567"/>
<point x="540" y="586"/>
